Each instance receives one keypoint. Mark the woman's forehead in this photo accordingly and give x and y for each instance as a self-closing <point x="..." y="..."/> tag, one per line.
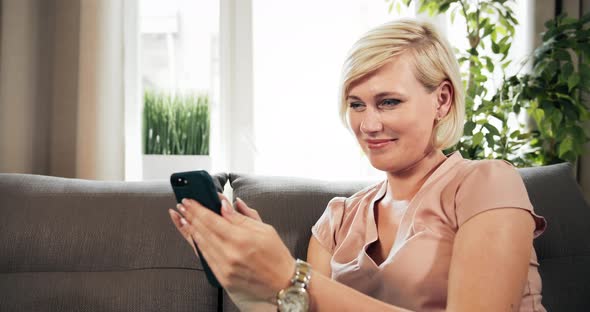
<point x="396" y="75"/>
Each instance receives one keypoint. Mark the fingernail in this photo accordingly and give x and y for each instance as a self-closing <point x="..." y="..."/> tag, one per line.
<point x="181" y="207"/>
<point x="184" y="201"/>
<point x="183" y="221"/>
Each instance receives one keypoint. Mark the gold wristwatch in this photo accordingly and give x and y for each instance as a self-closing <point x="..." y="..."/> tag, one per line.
<point x="295" y="298"/>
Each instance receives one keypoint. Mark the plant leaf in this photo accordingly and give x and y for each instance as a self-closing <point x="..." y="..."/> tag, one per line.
<point x="477" y="138"/>
<point x="565" y="146"/>
<point x="573" y="81"/>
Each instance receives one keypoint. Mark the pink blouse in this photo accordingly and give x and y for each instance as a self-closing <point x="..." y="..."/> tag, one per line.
<point x="415" y="274"/>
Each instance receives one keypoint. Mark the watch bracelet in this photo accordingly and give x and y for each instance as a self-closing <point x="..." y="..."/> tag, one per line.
<point x="301" y="278"/>
<point x="302" y="273"/>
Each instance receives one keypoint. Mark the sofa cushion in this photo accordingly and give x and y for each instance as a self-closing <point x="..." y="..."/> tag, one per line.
<point x="144" y="290"/>
<point x="86" y="235"/>
<point x="563" y="250"/>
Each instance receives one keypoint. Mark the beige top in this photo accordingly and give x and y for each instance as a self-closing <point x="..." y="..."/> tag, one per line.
<point x="415" y="274"/>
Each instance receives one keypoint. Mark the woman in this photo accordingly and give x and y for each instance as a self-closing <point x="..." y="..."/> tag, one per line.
<point x="441" y="233"/>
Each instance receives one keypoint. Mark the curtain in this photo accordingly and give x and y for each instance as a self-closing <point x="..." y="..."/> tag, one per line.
<point x="61" y="88"/>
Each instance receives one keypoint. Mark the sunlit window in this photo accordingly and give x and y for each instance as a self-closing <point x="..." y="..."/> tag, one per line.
<point x="179" y="70"/>
<point x="179" y="45"/>
<point x="298" y="49"/>
<point x="298" y="54"/>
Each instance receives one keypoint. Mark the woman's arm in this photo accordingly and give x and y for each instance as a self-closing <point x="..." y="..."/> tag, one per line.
<point x="319" y="257"/>
<point x="490" y="261"/>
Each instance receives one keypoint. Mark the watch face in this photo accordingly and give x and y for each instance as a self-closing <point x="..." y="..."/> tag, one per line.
<point x="294" y="299"/>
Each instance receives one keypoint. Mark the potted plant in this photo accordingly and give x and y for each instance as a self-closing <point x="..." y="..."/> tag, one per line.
<point x="549" y="94"/>
<point x="175" y="134"/>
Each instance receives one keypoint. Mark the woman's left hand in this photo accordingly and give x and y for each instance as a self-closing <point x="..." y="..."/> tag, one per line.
<point x="246" y="255"/>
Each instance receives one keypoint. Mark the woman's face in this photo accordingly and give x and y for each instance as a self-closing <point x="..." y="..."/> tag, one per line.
<point x="392" y="116"/>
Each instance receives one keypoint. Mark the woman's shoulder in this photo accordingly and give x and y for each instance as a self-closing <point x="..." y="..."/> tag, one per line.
<point x="490" y="170"/>
<point x="490" y="184"/>
<point x="346" y="203"/>
<point x="367" y="193"/>
<point x="338" y="214"/>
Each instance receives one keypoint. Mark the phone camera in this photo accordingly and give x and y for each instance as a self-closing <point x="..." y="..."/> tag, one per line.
<point x="180" y="181"/>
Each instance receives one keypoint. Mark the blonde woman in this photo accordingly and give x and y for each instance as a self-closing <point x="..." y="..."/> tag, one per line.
<point x="440" y="233"/>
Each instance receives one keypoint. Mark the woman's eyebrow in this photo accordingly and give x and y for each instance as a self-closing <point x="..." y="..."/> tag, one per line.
<point x="386" y="94"/>
<point x="379" y="95"/>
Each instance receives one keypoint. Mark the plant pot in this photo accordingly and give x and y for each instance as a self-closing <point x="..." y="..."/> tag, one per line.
<point x="160" y="167"/>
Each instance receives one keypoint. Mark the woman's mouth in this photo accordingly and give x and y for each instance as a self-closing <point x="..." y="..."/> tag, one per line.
<point x="379" y="144"/>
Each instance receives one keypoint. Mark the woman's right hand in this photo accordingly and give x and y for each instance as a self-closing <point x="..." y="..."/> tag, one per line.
<point x="240" y="206"/>
<point x="242" y="301"/>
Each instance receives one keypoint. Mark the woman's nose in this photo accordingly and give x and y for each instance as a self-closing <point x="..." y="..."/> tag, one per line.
<point x="371" y="122"/>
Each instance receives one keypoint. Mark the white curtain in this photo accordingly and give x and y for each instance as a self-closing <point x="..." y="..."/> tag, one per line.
<point x="61" y="88"/>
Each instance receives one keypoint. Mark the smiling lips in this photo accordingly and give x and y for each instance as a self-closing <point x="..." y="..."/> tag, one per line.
<point x="377" y="144"/>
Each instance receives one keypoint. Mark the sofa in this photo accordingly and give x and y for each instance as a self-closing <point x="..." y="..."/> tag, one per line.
<point x="79" y="245"/>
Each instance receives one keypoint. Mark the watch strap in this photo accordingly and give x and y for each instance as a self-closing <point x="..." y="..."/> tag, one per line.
<point x="302" y="274"/>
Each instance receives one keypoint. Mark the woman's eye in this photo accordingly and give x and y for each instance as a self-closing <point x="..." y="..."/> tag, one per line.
<point x="357" y="106"/>
<point x="390" y="102"/>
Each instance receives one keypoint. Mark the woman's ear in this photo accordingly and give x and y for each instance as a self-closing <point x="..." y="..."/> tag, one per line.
<point x="444" y="98"/>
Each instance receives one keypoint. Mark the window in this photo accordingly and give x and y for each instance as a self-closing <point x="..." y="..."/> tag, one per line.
<point x="298" y="55"/>
<point x="179" y="45"/>
<point x="179" y="59"/>
<point x="278" y="65"/>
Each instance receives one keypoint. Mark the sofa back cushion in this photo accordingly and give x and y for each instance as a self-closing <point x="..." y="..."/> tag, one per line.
<point x="563" y="250"/>
<point x="79" y="245"/>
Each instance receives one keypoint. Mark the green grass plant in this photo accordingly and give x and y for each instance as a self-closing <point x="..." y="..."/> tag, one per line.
<point x="175" y="125"/>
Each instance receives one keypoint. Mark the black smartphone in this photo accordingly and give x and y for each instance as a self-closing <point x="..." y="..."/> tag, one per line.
<point x="198" y="185"/>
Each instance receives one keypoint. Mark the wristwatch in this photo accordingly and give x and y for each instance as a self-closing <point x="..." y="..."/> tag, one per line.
<point x="295" y="298"/>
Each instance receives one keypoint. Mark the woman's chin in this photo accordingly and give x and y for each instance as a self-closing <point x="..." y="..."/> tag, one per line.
<point x="383" y="165"/>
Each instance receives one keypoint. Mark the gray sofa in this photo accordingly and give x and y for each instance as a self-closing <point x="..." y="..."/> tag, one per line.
<point x="78" y="245"/>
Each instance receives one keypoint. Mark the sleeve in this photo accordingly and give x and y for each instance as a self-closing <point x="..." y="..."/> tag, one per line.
<point x="328" y="224"/>
<point x="492" y="184"/>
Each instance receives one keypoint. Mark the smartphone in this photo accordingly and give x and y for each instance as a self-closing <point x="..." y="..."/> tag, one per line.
<point x="198" y="185"/>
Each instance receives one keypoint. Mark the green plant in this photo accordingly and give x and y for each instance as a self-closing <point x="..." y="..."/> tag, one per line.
<point x="487" y="133"/>
<point x="551" y="92"/>
<point x="175" y="125"/>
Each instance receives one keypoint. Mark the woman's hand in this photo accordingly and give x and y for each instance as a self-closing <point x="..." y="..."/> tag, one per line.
<point x="241" y="207"/>
<point x="247" y="256"/>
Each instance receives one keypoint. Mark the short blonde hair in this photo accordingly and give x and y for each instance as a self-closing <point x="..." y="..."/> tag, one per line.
<point x="433" y="60"/>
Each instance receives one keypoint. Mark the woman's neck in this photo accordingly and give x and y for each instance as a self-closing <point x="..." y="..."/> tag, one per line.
<point x="404" y="184"/>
